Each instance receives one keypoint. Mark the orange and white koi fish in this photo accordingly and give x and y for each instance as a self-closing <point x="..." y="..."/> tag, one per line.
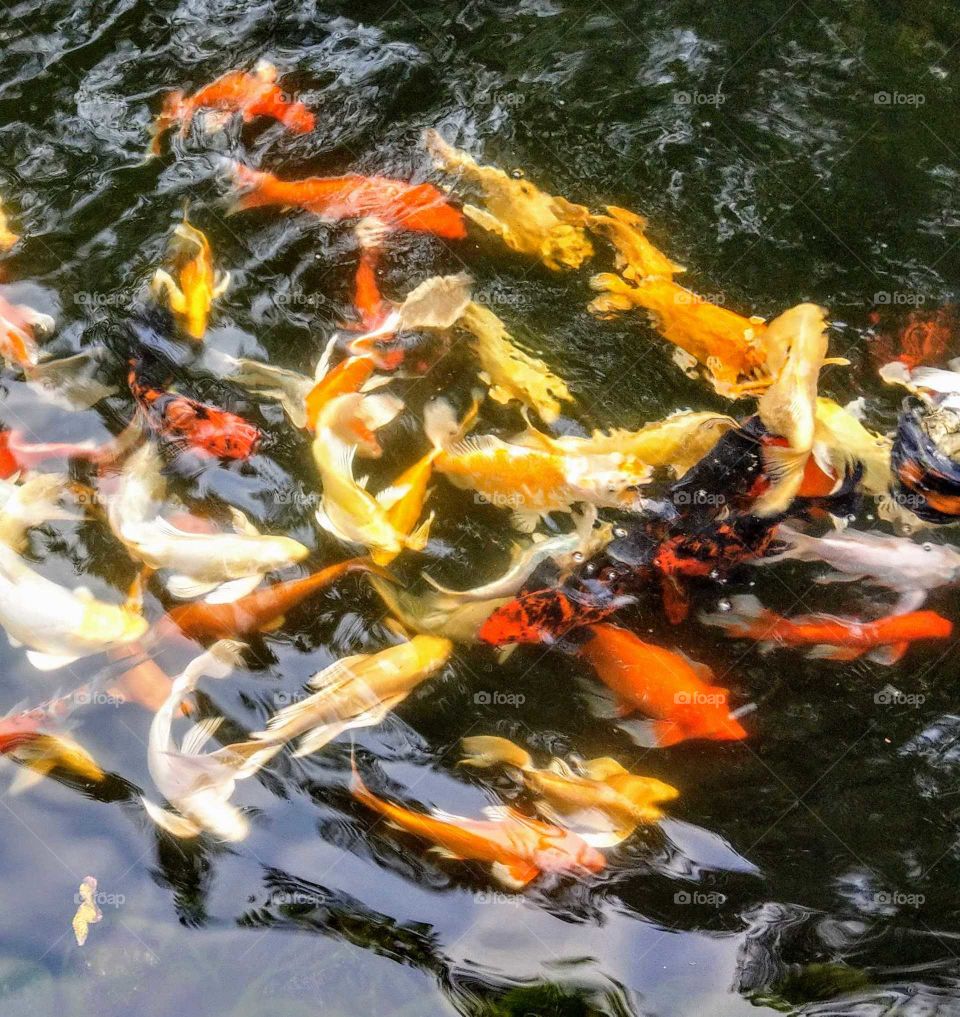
<point x="357" y="691"/>
<point x="677" y="692"/>
<point x="526" y="219"/>
<point x="18" y="327"/>
<point x="727" y="344"/>
<point x="347" y="510"/>
<point x="511" y="373"/>
<point x="517" y="848"/>
<point x="531" y="481"/>
<point x="636" y="258"/>
<point x="199" y="786"/>
<point x="251" y="95"/>
<point x="599" y="799"/>
<point x="199" y="284"/>
<point x="884" y="640"/>
<point x="397" y="204"/>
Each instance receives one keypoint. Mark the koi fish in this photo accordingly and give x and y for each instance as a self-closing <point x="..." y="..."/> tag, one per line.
<point x="16" y="454"/>
<point x="545" y="616"/>
<point x="727" y="344"/>
<point x="251" y="95"/>
<point x="191" y="425"/>
<point x="511" y="373"/>
<point x="347" y="510"/>
<point x="357" y="691"/>
<point x="32" y="739"/>
<point x="599" y="799"/>
<point x="32" y="503"/>
<point x="679" y="693"/>
<point x="884" y="640"/>
<point x="57" y="625"/>
<point x="530" y="480"/>
<point x="87" y="912"/>
<point x="260" y="611"/>
<point x="636" y="258"/>
<point x="232" y="564"/>
<point x="517" y="847"/>
<point x="18" y="327"/>
<point x="436" y="614"/>
<point x="199" y="786"/>
<point x="797" y="348"/>
<point x="926" y="474"/>
<point x="7" y="237"/>
<point x="676" y="443"/>
<point x="566" y="550"/>
<point x="398" y="204"/>
<point x="842" y="445"/>
<point x="199" y="284"/>
<point x="526" y="219"/>
<point x="923" y="339"/>
<point x="910" y="569"/>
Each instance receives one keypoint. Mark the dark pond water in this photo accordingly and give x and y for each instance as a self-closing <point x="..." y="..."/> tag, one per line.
<point x="814" y="867"/>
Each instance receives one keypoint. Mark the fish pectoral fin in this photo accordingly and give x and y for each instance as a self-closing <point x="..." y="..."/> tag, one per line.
<point x="336" y="673"/>
<point x="840" y="653"/>
<point x="525" y="522"/>
<point x="49" y="661"/>
<point x="442" y="852"/>
<point x="227" y="593"/>
<point x="198" y="736"/>
<point x="242" y="525"/>
<point x="222" y="285"/>
<point x="515" y="875"/>
<point x="187" y="588"/>
<point x="668" y="732"/>
<point x="417" y="540"/>
<point x="170" y="821"/>
<point x="28" y="776"/>
<point x="389" y="496"/>
<point x="888" y="655"/>
<point x="162" y="282"/>
<point x="606" y="840"/>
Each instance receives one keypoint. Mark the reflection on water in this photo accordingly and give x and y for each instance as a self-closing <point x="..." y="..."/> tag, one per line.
<point x="811" y="869"/>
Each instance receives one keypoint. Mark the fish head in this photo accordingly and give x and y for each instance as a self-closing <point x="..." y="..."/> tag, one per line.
<point x="563" y="850"/>
<point x="432" y="651"/>
<point x="298" y="118"/>
<point x="274" y="552"/>
<point x="109" y="625"/>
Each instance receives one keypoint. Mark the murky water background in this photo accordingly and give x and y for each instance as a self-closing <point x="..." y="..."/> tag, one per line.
<point x="783" y="152"/>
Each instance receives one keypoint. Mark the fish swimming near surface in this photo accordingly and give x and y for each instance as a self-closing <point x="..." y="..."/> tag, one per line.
<point x="252" y="95"/>
<point x="192" y="426"/>
<point x="34" y="739"/>
<point x="883" y="640"/>
<point x="598" y="798"/>
<point x="526" y="219"/>
<point x="231" y="564"/>
<point x="356" y="691"/>
<point x="663" y="684"/>
<point x="191" y="296"/>
<point x="397" y="204"/>
<point x="636" y="257"/>
<point x="878" y="559"/>
<point x="517" y="848"/>
<point x="87" y="913"/>
<point x="7" y="237"/>
<point x="199" y="786"/>
<point x="19" y="325"/>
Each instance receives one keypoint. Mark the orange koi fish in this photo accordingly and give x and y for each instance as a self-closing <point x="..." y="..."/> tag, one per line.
<point x="518" y="848"/>
<point x="193" y="425"/>
<point x="17" y="454"/>
<point x="251" y="95"/>
<point x="18" y="325"/>
<point x="884" y="640"/>
<point x="259" y="611"/>
<point x="677" y="692"/>
<point x="400" y="205"/>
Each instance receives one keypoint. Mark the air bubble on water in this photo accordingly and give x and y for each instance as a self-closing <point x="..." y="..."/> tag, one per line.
<point x="714" y="574"/>
<point x="578" y="555"/>
<point x="619" y="531"/>
<point x="927" y="546"/>
<point x="724" y="605"/>
<point x="851" y="519"/>
<point x="871" y="517"/>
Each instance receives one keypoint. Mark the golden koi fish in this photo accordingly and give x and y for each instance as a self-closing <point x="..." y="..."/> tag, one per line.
<point x="842" y="444"/>
<point x="87" y="912"/>
<point x="199" y="283"/>
<point x="511" y="373"/>
<point x="7" y="237"/>
<point x="636" y="258"/>
<point x="526" y="219"/>
<point x="603" y="802"/>
<point x="357" y="691"/>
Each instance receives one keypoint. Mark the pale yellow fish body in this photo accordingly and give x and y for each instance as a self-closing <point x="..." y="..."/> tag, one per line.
<point x="192" y="297"/>
<point x="437" y="614"/>
<point x="513" y="374"/>
<point x="636" y="257"/>
<point x="525" y="218"/>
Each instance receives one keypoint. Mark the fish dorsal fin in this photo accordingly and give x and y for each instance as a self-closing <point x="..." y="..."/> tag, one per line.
<point x="476" y="444"/>
<point x="389" y="496"/>
<point x="187" y="588"/>
<point x="343" y="457"/>
<point x="241" y="524"/>
<point x="227" y="593"/>
<point x="603" y="768"/>
<point x="336" y="672"/>
<point x="198" y="736"/>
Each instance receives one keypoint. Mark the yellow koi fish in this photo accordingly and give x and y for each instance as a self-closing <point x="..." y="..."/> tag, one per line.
<point x="842" y="445"/>
<point x="603" y="802"/>
<point x="636" y="258"/>
<point x="357" y="691"/>
<point x="526" y="220"/>
<point x="199" y="283"/>
<point x="511" y="373"/>
<point x="7" y="237"/>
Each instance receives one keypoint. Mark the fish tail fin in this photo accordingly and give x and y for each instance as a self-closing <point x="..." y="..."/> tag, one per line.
<point x="489" y="750"/>
<point x="48" y="751"/>
<point x="171" y="112"/>
<point x="176" y="825"/>
<point x="784" y="467"/>
<point x="417" y="540"/>
<point x="668" y="732"/>
<point x="747" y="617"/>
